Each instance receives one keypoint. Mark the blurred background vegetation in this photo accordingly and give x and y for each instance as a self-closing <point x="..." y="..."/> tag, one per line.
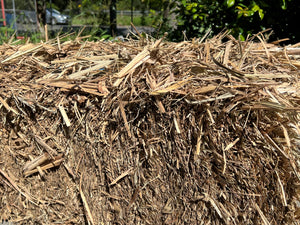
<point x="189" y="18"/>
<point x="193" y="18"/>
<point x="242" y="17"/>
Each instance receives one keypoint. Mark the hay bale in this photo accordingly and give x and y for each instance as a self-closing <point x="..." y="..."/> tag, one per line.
<point x="147" y="132"/>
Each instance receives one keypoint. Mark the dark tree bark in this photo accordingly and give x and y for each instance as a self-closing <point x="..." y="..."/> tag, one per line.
<point x="41" y="11"/>
<point x="113" y="17"/>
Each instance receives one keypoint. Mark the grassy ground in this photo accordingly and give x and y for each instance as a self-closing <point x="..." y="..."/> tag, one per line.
<point x="84" y="20"/>
<point x="137" y="20"/>
<point x="121" y="20"/>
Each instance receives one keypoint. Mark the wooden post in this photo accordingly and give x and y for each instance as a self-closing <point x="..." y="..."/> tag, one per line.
<point x="3" y="13"/>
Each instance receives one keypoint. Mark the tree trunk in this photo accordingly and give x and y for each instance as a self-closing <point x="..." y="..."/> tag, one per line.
<point x="113" y="17"/>
<point x="41" y="14"/>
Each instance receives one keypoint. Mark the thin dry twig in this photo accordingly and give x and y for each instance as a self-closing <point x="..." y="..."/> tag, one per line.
<point x="86" y="206"/>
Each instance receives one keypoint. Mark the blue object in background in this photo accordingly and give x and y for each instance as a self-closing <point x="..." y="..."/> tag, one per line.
<point x="9" y="20"/>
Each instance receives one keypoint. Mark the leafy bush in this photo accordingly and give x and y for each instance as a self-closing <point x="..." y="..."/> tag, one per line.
<point x="242" y="17"/>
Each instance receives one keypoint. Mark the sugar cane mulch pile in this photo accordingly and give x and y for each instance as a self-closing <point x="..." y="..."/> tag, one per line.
<point x="150" y="132"/>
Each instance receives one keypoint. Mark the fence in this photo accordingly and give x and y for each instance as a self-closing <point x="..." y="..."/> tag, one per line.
<point x="21" y="16"/>
<point x="18" y="12"/>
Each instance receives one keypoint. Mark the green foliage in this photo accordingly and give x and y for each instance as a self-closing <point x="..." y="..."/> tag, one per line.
<point x="90" y="12"/>
<point x="243" y="10"/>
<point x="196" y="17"/>
<point x="36" y="37"/>
<point x="230" y="3"/>
<point x="242" y="17"/>
<point x="97" y="34"/>
<point x="6" y="32"/>
<point x="59" y="5"/>
<point x="137" y="20"/>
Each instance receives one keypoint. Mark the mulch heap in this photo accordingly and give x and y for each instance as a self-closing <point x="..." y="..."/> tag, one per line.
<point x="150" y="132"/>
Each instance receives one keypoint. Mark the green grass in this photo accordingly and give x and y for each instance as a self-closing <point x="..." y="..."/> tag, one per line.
<point x="121" y="20"/>
<point x="137" y="20"/>
<point x="84" y="20"/>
